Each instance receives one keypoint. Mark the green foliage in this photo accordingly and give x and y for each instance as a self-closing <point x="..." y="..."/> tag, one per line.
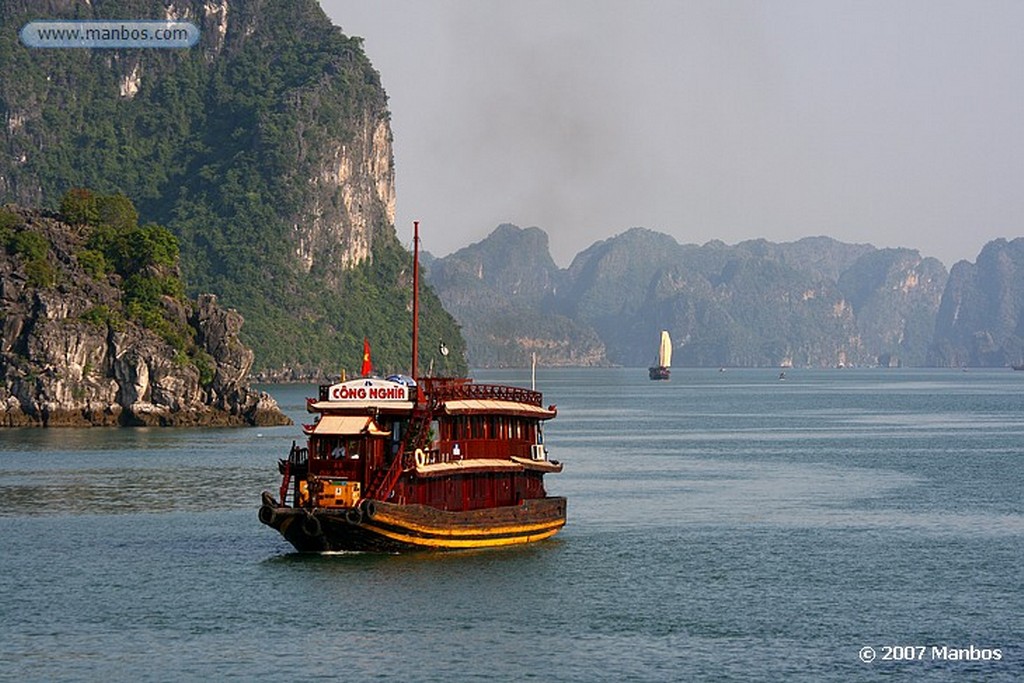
<point x="219" y="147"/>
<point x="130" y="250"/>
<point x="8" y="221"/>
<point x="325" y="329"/>
<point x="116" y="211"/>
<point x="143" y="300"/>
<point x="79" y="206"/>
<point x="102" y="316"/>
<point x="141" y="292"/>
<point x="93" y="262"/>
<point x="33" y="248"/>
<point x="40" y="273"/>
<point x="206" y="366"/>
<point x="31" y="245"/>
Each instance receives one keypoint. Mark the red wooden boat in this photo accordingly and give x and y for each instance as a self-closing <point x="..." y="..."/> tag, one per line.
<point x="398" y="464"/>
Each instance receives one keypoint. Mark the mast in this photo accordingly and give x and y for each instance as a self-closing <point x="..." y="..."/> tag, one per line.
<point x="415" y="296"/>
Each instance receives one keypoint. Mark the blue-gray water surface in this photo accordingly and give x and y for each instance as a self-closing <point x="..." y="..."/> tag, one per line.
<point x="723" y="526"/>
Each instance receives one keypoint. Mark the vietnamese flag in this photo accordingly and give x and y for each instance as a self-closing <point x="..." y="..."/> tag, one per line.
<point x="367" y="365"/>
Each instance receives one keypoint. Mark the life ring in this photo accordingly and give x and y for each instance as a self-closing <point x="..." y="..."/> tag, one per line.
<point x="421" y="458"/>
<point x="267" y="515"/>
<point x="369" y="509"/>
<point x="311" y="526"/>
<point x="353" y="516"/>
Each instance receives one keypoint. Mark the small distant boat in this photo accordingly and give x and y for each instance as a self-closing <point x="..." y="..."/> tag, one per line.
<point x="661" y="370"/>
<point x="1018" y="367"/>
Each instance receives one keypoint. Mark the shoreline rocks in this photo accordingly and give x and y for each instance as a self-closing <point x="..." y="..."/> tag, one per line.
<point x="72" y="355"/>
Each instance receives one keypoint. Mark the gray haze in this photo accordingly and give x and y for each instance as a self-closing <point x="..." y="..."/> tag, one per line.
<point x="894" y="123"/>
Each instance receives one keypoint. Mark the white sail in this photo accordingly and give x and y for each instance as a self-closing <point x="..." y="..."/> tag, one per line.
<point x="665" y="351"/>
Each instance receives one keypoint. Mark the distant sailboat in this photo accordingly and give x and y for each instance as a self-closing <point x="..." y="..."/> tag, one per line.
<point x="661" y="370"/>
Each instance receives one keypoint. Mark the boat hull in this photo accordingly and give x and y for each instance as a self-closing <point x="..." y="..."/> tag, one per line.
<point x="659" y="372"/>
<point x="376" y="526"/>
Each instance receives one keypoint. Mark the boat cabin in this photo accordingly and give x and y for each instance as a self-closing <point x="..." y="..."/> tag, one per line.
<point x="446" y="443"/>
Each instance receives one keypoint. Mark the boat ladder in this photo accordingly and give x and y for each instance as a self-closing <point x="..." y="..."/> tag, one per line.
<point x="385" y="481"/>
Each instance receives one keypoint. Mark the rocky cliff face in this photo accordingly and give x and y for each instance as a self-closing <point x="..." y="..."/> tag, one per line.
<point x="354" y="191"/>
<point x="345" y="167"/>
<point x="71" y="355"/>
<point x="895" y="296"/>
<point x="981" y="319"/>
<point x="504" y="291"/>
<point x="266" y="149"/>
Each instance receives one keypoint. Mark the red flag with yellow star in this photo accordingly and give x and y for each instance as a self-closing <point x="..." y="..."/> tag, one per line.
<point x="367" y="365"/>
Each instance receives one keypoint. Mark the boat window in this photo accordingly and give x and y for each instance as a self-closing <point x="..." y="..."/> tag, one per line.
<point x="343" y="449"/>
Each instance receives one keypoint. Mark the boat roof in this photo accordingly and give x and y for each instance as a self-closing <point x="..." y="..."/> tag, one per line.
<point x="441" y="469"/>
<point x="345" y="425"/>
<point x="473" y="406"/>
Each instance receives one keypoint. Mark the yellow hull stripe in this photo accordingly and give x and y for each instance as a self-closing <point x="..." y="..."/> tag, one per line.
<point x="476" y="531"/>
<point x="462" y="543"/>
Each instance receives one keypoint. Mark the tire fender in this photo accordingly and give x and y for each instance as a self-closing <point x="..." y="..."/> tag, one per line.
<point x="311" y="526"/>
<point x="267" y="515"/>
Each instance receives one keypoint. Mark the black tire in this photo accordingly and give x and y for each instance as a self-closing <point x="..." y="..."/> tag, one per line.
<point x="267" y="515"/>
<point x="311" y="527"/>
<point x="369" y="509"/>
<point x="353" y="517"/>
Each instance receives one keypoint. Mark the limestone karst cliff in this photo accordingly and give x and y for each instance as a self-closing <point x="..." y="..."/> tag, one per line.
<point x="816" y="302"/>
<point x="981" y="319"/>
<point x="78" y="347"/>
<point x="266" y="149"/>
<point x="502" y="290"/>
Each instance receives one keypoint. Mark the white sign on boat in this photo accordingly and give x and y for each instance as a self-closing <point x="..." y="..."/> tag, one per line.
<point x="368" y="389"/>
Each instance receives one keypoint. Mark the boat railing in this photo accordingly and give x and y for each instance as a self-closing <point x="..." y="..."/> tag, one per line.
<point x="444" y="389"/>
<point x="292" y="469"/>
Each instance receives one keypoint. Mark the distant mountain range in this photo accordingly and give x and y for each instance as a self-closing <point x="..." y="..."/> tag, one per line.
<point x="816" y="302"/>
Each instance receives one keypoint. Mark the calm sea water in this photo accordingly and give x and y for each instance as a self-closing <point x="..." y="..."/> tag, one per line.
<point x="722" y="526"/>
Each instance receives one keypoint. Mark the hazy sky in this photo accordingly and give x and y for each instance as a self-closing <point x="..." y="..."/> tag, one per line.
<point x="895" y="123"/>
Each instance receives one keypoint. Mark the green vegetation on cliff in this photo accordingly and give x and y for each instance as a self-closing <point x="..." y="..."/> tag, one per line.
<point x="238" y="146"/>
<point x="108" y="336"/>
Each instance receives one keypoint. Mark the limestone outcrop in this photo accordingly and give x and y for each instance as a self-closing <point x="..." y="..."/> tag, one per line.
<point x="72" y="354"/>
